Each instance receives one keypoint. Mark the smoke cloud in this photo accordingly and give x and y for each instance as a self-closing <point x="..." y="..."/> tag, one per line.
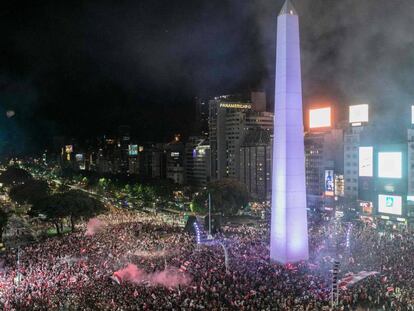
<point x="94" y="226"/>
<point x="170" y="277"/>
<point x="352" y="52"/>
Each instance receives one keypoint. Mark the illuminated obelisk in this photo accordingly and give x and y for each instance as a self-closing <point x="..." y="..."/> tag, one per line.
<point x="289" y="229"/>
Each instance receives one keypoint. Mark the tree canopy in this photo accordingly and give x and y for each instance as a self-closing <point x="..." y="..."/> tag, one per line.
<point x="29" y="192"/>
<point x="227" y="197"/>
<point x="72" y="205"/>
<point x="14" y="175"/>
<point x="3" y="221"/>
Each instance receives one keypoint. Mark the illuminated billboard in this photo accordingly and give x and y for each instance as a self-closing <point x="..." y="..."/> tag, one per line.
<point x="366" y="155"/>
<point x="358" y="113"/>
<point x="133" y="150"/>
<point x="329" y="183"/>
<point x="412" y="114"/>
<point x="390" y="204"/>
<point x="79" y="157"/>
<point x="366" y="207"/>
<point x="320" y="117"/>
<point x="389" y="164"/>
<point x="339" y="185"/>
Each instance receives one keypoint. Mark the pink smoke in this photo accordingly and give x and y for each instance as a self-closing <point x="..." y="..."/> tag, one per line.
<point x="170" y="277"/>
<point x="94" y="226"/>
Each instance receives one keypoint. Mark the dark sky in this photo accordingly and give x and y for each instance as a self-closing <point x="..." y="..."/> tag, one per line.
<point x="80" y="69"/>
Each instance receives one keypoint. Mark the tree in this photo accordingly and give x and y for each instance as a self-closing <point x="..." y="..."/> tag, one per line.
<point x="72" y="205"/>
<point x="227" y="197"/>
<point x="78" y="205"/>
<point x="3" y="221"/>
<point x="30" y="192"/>
<point x="51" y="209"/>
<point x="14" y="175"/>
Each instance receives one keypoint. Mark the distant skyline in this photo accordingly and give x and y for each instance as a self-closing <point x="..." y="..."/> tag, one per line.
<point x="81" y="69"/>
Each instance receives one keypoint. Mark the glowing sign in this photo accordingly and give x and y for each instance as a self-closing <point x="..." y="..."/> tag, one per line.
<point x="132" y="150"/>
<point x="141" y="148"/>
<point x="79" y="157"/>
<point x="412" y="114"/>
<point x="390" y="204"/>
<point x="329" y="183"/>
<point x="175" y="154"/>
<point x="69" y="148"/>
<point x="366" y="155"/>
<point x="389" y="164"/>
<point x="320" y="117"/>
<point x="339" y="185"/>
<point x="358" y="113"/>
<point x="366" y="207"/>
<point x="235" y="105"/>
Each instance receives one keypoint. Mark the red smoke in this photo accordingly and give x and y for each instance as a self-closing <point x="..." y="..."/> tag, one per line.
<point x="94" y="226"/>
<point x="170" y="277"/>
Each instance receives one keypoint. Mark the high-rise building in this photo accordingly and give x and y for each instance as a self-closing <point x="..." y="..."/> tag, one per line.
<point x="124" y="138"/>
<point x="229" y="122"/>
<point x="197" y="162"/>
<point x="352" y="141"/>
<point x="289" y="229"/>
<point x="324" y="160"/>
<point x="225" y="130"/>
<point x="256" y="163"/>
<point x="175" y="161"/>
<point x="201" y="117"/>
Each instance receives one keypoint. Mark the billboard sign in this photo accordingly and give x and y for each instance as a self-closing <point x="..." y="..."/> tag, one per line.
<point x="390" y="204"/>
<point x="366" y="207"/>
<point x="133" y="150"/>
<point x="329" y="183"/>
<point x="79" y="157"/>
<point x="320" y="117"/>
<point x="358" y="113"/>
<point x="69" y="148"/>
<point x="390" y="164"/>
<point x="339" y="185"/>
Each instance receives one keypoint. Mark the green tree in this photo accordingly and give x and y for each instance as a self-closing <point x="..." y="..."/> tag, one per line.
<point x="30" y="192"/>
<point x="227" y="197"/>
<point x="14" y="175"/>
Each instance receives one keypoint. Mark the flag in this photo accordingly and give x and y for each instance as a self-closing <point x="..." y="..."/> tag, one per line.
<point x="116" y="278"/>
<point x="352" y="278"/>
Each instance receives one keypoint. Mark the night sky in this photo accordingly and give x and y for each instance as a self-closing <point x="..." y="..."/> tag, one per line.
<point x="80" y="69"/>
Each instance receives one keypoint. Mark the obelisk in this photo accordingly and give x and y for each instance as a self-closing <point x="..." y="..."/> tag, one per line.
<point x="289" y="227"/>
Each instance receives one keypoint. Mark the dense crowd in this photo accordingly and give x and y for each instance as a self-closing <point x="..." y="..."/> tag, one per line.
<point x="75" y="272"/>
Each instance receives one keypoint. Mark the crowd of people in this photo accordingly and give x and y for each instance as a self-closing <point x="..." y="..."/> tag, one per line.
<point x="75" y="271"/>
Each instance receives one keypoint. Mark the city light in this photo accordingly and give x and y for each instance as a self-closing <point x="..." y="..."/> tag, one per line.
<point x="358" y="113"/>
<point x="389" y="164"/>
<point x="197" y="230"/>
<point x="390" y="204"/>
<point x="319" y="118"/>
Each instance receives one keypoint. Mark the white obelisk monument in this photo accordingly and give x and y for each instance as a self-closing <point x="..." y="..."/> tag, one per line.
<point x="289" y="229"/>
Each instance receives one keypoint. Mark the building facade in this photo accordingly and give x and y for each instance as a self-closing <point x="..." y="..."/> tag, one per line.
<point x="256" y="164"/>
